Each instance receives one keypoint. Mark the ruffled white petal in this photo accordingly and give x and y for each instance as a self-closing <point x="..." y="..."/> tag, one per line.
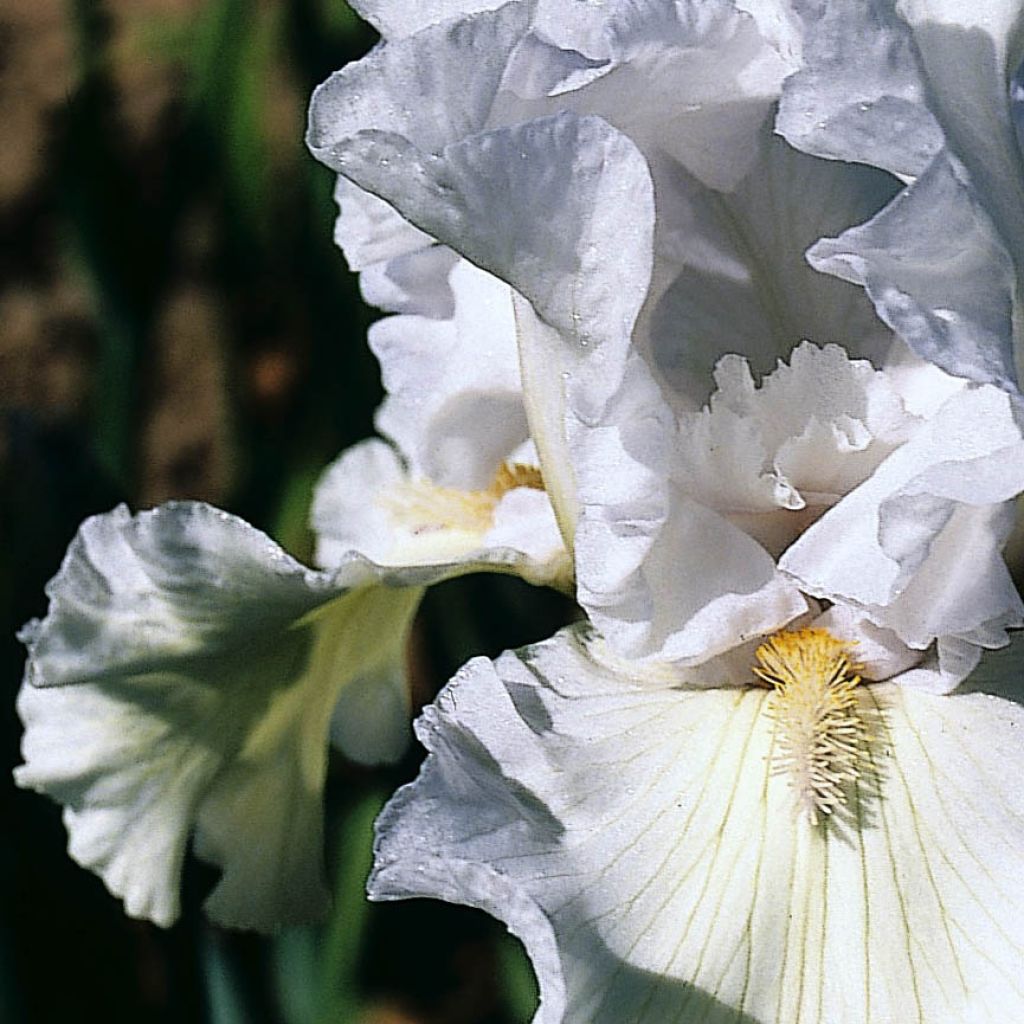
<point x="968" y="54"/>
<point x="183" y="682"/>
<point x="416" y="283"/>
<point x="385" y="126"/>
<point x="694" y="82"/>
<point x="924" y="87"/>
<point x="550" y="206"/>
<point x="449" y="360"/>
<point x="661" y="575"/>
<point x="894" y="83"/>
<point x="917" y="546"/>
<point x="369" y="231"/>
<point x="680" y="524"/>
<point x="814" y="429"/>
<point x="413" y="90"/>
<point x="588" y="193"/>
<point x="638" y="842"/>
<point x="454" y="405"/>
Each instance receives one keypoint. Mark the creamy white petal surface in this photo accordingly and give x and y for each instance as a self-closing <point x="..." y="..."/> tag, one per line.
<point x="184" y="683"/>
<point x="637" y="841"/>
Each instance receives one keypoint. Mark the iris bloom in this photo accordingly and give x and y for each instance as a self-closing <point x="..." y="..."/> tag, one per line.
<point x="771" y="782"/>
<point x="189" y="672"/>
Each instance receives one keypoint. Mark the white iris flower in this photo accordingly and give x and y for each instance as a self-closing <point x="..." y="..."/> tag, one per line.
<point x="761" y="789"/>
<point x="770" y="823"/>
<point x="188" y="674"/>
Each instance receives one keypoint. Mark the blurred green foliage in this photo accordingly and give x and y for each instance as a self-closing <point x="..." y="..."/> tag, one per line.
<point x="215" y="198"/>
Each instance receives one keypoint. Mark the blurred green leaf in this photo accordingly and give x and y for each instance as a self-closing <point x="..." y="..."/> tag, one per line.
<point x="225" y="1002"/>
<point x="316" y="970"/>
<point x="291" y="524"/>
<point x="234" y="48"/>
<point x="338" y="18"/>
<point x="343" y="940"/>
<point x="519" y="983"/>
<point x="295" y="965"/>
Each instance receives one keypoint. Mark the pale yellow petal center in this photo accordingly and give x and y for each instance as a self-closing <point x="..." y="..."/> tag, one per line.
<point x="421" y="506"/>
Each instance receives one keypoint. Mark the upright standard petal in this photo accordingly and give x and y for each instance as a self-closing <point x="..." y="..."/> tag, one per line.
<point x="932" y="100"/>
<point x="450" y="358"/>
<point x="639" y="842"/>
<point x="860" y="96"/>
<point x="542" y="202"/>
<point x="939" y="274"/>
<point x="454" y="400"/>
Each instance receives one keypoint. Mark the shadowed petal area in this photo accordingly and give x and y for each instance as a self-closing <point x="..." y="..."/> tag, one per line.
<point x="860" y="96"/>
<point x="924" y="88"/>
<point x="638" y="841"/>
<point x="968" y="54"/>
<point x="938" y="273"/>
<point x="731" y="275"/>
<point x="184" y="679"/>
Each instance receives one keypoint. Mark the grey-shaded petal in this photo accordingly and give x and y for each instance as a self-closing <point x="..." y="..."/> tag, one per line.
<point x="860" y="96"/>
<point x="938" y="273"/>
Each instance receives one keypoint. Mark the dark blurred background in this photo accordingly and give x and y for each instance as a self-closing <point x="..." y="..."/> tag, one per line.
<point x="175" y="322"/>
